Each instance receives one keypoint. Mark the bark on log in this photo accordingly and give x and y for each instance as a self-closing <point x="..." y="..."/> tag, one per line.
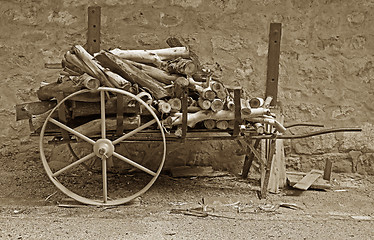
<point x="95" y="68"/>
<point x="161" y="75"/>
<point x="217" y="105"/>
<point x="176" y="104"/>
<point x="94" y="127"/>
<point x="117" y="80"/>
<point x="132" y="73"/>
<point x="222" y="124"/>
<point x="256" y="102"/>
<point x="204" y="104"/>
<point x="209" y="124"/>
<point x="50" y="91"/>
<point x="181" y="66"/>
<point x="152" y="56"/>
<point x="87" y="81"/>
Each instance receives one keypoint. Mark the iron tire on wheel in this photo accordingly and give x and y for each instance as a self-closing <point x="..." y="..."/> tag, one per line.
<point x="102" y="148"/>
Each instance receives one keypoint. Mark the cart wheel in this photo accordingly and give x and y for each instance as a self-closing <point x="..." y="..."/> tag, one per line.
<point x="105" y="149"/>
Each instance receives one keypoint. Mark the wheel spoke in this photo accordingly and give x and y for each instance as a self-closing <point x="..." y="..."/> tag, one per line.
<point x="105" y="180"/>
<point x="127" y="135"/>
<point x="137" y="165"/>
<point x="102" y="105"/>
<point x="62" y="170"/>
<point x="63" y="126"/>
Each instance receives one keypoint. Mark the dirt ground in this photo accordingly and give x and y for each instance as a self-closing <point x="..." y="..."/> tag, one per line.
<point x="29" y="209"/>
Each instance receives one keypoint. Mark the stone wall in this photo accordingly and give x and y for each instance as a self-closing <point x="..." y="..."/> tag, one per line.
<point x="326" y="63"/>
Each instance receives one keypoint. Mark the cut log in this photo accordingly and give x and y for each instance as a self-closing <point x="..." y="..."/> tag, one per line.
<point x="158" y="74"/>
<point x="87" y="81"/>
<point x="175" y="104"/>
<point x="256" y="102"/>
<point x="204" y="104"/>
<point x="141" y="56"/>
<point x="222" y="124"/>
<point x="132" y="73"/>
<point x="245" y="108"/>
<point x="164" y="107"/>
<point x="94" y="127"/>
<point x="217" y="105"/>
<point x="72" y="59"/>
<point x="95" y="68"/>
<point x="150" y="56"/>
<point x="221" y="95"/>
<point x="117" y="80"/>
<point x="209" y="124"/>
<point x="181" y="66"/>
<point x="217" y="86"/>
<point x="51" y="90"/>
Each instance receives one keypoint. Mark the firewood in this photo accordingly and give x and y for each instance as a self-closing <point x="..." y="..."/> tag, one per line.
<point x="222" y="124"/>
<point x="164" y="107"/>
<point x="94" y="127"/>
<point x="71" y="58"/>
<point x="209" y="124"/>
<point x="132" y="73"/>
<point x="175" y="42"/>
<point x="71" y="67"/>
<point x="217" y="105"/>
<point x="95" y="68"/>
<point x="142" y="56"/>
<point x="176" y="104"/>
<point x="152" y="56"/>
<point x="259" y="128"/>
<point x="204" y="104"/>
<point x="87" y="81"/>
<point x="117" y="80"/>
<point x="230" y="104"/>
<point x="221" y="95"/>
<point x="267" y="102"/>
<point x="216" y="86"/>
<point x="50" y="91"/>
<point x="181" y="66"/>
<point x="245" y="108"/>
<point x="256" y="102"/>
<point x="156" y="73"/>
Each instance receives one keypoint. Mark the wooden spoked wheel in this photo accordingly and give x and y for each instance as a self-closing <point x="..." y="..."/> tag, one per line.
<point x="104" y="149"/>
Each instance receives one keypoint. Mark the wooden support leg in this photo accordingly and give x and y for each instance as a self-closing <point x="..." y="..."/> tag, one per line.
<point x="268" y="165"/>
<point x="249" y="159"/>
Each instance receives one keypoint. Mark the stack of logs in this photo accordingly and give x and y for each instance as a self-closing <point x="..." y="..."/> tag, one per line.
<point x="160" y="77"/>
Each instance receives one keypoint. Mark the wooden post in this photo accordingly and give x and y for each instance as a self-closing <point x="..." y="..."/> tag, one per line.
<point x="249" y="156"/>
<point x="273" y="62"/>
<point x="93" y="33"/>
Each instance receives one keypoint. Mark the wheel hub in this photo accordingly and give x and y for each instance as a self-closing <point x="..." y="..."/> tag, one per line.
<point x="103" y="148"/>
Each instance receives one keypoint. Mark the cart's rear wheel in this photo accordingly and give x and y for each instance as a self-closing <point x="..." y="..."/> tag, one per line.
<point x="104" y="149"/>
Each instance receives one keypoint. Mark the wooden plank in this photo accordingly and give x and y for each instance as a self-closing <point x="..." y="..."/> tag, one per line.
<point x="273" y="61"/>
<point x="327" y="171"/>
<point x="308" y="180"/>
<point x="268" y="166"/>
<point x="319" y="184"/>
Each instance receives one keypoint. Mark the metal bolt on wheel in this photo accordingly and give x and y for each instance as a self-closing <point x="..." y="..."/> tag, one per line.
<point x="103" y="148"/>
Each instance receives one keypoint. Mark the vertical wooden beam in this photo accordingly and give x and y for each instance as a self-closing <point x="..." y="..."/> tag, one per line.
<point x="184" y="113"/>
<point x="119" y="130"/>
<point x="94" y="25"/>
<point x="273" y="62"/>
<point x="238" y="117"/>
<point x="249" y="156"/>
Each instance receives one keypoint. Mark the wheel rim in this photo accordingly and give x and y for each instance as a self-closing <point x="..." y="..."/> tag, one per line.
<point x="102" y="148"/>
